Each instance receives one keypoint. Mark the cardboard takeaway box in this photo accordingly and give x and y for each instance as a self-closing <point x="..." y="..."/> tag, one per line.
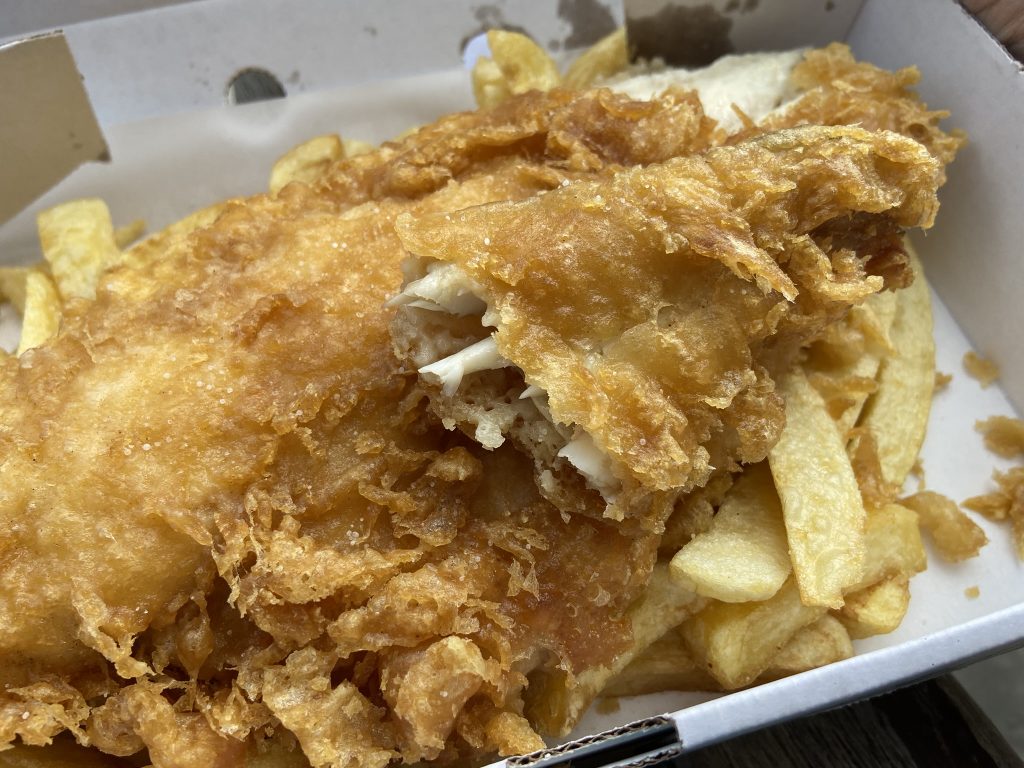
<point x="156" y="81"/>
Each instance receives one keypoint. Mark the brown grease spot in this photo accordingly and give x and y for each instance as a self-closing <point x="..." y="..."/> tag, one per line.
<point x="683" y="37"/>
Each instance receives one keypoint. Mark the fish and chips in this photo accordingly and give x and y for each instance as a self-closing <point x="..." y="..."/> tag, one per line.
<point x="415" y="456"/>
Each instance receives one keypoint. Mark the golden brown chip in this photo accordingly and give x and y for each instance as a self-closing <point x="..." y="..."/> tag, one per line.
<point x="982" y="369"/>
<point x="942" y="380"/>
<point x="955" y="535"/>
<point x="601" y="60"/>
<point x="972" y="593"/>
<point x="1004" y="435"/>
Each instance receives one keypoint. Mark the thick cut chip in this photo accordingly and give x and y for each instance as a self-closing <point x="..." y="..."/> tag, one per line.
<point x="744" y="557"/>
<point x="736" y="642"/>
<point x="603" y="59"/>
<point x="1004" y="435"/>
<point x="668" y="665"/>
<point x="897" y="414"/>
<point x="555" y="704"/>
<point x="306" y="162"/>
<point x="893" y="545"/>
<point x="41" y="318"/>
<point x="955" y="535"/>
<point x="876" y="610"/>
<point x="517" y="65"/>
<point x="77" y="239"/>
<point x="645" y="313"/>
<point x="823" y="642"/>
<point x="821" y="502"/>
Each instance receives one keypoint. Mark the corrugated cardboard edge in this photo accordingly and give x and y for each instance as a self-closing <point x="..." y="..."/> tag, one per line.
<point x="48" y="127"/>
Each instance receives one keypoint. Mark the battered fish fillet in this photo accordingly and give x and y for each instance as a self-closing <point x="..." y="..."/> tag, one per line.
<point x="639" y="440"/>
<point x="225" y="509"/>
<point x="631" y="328"/>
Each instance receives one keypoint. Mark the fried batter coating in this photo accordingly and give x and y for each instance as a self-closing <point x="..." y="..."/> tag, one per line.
<point x="226" y="509"/>
<point x="653" y="307"/>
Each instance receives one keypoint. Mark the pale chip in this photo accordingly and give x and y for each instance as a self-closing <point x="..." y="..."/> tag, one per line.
<point x="41" y="318"/>
<point x="897" y="414"/>
<point x="823" y="642"/>
<point x="744" y="556"/>
<point x="955" y="535"/>
<point x="893" y="545"/>
<point x="517" y="65"/>
<point x="77" y="239"/>
<point x="306" y="162"/>
<point x="972" y="593"/>
<point x="821" y="502"/>
<point x="736" y="642"/>
<point x="606" y="57"/>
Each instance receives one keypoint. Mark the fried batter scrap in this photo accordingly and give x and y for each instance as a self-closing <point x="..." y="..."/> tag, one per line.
<point x="629" y="328"/>
<point x="226" y="508"/>
<point x="836" y="89"/>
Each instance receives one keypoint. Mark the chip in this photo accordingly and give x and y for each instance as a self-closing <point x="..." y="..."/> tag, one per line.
<point x="955" y="535"/>
<point x="78" y="242"/>
<point x="876" y="610"/>
<point x="556" y="707"/>
<point x="41" y="318"/>
<point x="517" y="65"/>
<point x="892" y="544"/>
<point x="306" y="162"/>
<point x="606" y="57"/>
<point x="736" y="642"/>
<point x="667" y="665"/>
<point x="823" y="642"/>
<point x="821" y="502"/>
<point x="897" y="414"/>
<point x="744" y="556"/>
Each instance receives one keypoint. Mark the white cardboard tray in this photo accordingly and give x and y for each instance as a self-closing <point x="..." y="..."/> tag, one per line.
<point x="166" y="166"/>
